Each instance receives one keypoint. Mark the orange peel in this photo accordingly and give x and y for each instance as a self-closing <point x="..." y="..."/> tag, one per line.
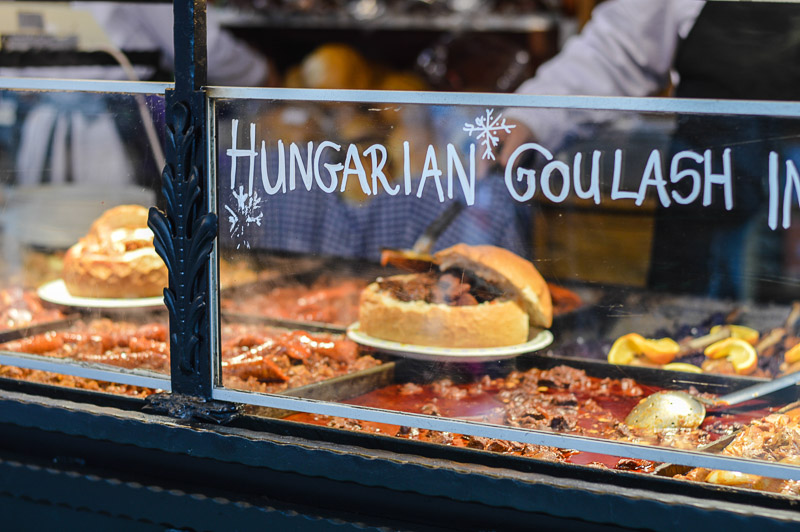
<point x="625" y="349"/>
<point x="661" y="351"/>
<point x="737" y="351"/>
<point x="747" y="334"/>
<point x="792" y="355"/>
<point x="628" y="347"/>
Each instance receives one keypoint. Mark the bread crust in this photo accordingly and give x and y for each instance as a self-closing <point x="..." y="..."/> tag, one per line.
<point x="490" y="324"/>
<point x="508" y="271"/>
<point x="102" y="264"/>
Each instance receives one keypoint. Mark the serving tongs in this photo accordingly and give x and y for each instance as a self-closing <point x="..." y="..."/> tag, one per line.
<point x="419" y="257"/>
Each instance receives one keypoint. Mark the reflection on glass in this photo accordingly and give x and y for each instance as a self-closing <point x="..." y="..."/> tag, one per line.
<point x="80" y="277"/>
<point x="664" y="241"/>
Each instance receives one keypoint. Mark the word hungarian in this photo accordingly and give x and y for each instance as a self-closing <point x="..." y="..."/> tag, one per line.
<point x="306" y="165"/>
<point x="708" y="174"/>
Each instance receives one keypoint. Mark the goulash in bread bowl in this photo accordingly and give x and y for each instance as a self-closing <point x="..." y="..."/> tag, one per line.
<point x="479" y="296"/>
<point x="116" y="259"/>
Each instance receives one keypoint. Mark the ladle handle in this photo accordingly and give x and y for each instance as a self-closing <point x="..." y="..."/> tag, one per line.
<point x="764" y="388"/>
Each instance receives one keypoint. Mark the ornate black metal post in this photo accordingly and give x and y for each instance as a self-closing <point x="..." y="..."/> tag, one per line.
<point x="185" y="233"/>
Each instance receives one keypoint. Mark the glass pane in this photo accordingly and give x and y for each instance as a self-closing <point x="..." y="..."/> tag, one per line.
<point x="81" y="284"/>
<point x="663" y="240"/>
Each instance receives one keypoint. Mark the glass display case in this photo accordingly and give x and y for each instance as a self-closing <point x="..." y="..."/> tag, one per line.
<point x="395" y="293"/>
<point x="431" y="336"/>
<point x="80" y="168"/>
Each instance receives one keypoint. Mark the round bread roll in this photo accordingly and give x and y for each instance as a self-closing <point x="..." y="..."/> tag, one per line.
<point x="505" y="320"/>
<point x="336" y="66"/>
<point x="116" y="259"/>
<point x="489" y="324"/>
<point x="506" y="270"/>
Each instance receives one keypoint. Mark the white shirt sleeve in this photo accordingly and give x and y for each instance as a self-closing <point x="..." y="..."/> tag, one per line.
<point x="627" y="49"/>
<point x="231" y="61"/>
<point x="149" y="26"/>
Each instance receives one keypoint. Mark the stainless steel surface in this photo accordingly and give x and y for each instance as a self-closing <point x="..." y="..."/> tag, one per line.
<point x="758" y="390"/>
<point x="492" y="100"/>
<point x="667" y="410"/>
<point x="673" y="409"/>
<point x="76" y="85"/>
<point x="88" y="371"/>
<point x="392" y="21"/>
<point x="213" y="259"/>
<point x="335" y="389"/>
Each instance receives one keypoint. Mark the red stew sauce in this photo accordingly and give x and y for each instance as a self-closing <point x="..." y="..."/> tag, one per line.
<point x="561" y="399"/>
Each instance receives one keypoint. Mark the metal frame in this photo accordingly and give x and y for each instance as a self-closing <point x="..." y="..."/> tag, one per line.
<point x="586" y="103"/>
<point x="83" y="85"/>
<point x="186" y="235"/>
<point x="479" y="22"/>
<point x="274" y="459"/>
<point x="88" y="371"/>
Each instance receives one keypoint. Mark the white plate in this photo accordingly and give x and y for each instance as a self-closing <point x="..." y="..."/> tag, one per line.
<point x="56" y="292"/>
<point x="450" y="354"/>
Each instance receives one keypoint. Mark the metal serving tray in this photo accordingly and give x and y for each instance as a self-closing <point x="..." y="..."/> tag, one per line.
<point x="335" y="389"/>
<point x="406" y="370"/>
<point x="624" y="310"/>
<point x="37" y="328"/>
<point x="312" y="390"/>
<point x="79" y="368"/>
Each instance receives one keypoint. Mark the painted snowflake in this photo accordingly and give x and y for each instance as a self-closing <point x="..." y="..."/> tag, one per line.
<point x="245" y="213"/>
<point x="487" y="129"/>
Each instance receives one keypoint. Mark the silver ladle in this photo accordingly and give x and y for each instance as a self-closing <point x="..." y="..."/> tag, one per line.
<point x="674" y="409"/>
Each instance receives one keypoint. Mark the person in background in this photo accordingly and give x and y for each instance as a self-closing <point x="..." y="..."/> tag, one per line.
<point x="720" y="50"/>
<point x="82" y="138"/>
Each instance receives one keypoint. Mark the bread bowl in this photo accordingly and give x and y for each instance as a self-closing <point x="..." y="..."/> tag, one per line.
<point x="474" y="297"/>
<point x="116" y="258"/>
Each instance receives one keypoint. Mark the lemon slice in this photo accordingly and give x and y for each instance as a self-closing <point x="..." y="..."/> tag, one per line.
<point x="737" y="351"/>
<point x="683" y="366"/>
<point x="625" y="348"/>
<point x="661" y="351"/>
<point x="739" y="331"/>
<point x="792" y="355"/>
